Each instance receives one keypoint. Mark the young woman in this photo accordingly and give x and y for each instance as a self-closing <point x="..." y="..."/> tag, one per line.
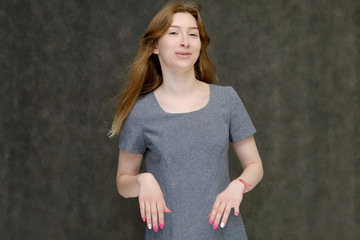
<point x="173" y="116"/>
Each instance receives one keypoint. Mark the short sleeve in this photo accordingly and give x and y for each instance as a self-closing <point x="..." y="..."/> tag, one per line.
<point x="241" y="125"/>
<point x="131" y="137"/>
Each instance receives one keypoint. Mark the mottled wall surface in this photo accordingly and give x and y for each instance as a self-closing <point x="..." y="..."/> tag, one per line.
<point x="294" y="63"/>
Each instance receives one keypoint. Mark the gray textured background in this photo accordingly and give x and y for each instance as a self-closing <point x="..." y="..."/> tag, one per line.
<point x="294" y="63"/>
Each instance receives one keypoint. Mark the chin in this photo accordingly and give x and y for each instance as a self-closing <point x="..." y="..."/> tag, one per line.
<point x="186" y="66"/>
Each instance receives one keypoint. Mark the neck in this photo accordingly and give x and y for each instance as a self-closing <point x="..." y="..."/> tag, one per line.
<point x="179" y="84"/>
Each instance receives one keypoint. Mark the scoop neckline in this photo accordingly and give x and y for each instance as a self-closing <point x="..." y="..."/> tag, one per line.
<point x="182" y="113"/>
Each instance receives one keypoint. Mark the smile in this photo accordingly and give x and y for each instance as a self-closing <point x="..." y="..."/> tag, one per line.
<point x="183" y="54"/>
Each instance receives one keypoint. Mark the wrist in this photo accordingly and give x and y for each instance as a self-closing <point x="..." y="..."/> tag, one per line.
<point x="143" y="177"/>
<point x="239" y="186"/>
<point x="244" y="185"/>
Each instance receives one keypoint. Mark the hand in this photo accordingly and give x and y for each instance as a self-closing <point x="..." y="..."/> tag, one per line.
<point x="230" y="198"/>
<point x="152" y="203"/>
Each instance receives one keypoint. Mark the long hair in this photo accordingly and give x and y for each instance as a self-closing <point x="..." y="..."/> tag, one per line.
<point x="145" y="72"/>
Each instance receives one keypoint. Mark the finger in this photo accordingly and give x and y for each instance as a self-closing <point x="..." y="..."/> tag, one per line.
<point x="214" y="210"/>
<point x="236" y="208"/>
<point x="226" y="215"/>
<point x="166" y="209"/>
<point x="154" y="216"/>
<point x="219" y="214"/>
<point x="148" y="214"/>
<point x="142" y="210"/>
<point x="160" y="209"/>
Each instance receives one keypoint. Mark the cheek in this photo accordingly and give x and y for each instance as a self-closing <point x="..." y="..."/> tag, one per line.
<point x="198" y="44"/>
<point x="198" y="47"/>
<point x="163" y="44"/>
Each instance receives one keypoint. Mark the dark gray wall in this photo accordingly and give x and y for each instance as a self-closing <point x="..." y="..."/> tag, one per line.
<point x="294" y="63"/>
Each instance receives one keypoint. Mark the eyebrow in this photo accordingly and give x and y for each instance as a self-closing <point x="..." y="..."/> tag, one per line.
<point x="176" y="26"/>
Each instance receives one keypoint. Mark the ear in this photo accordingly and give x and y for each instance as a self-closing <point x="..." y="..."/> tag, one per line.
<point x="156" y="50"/>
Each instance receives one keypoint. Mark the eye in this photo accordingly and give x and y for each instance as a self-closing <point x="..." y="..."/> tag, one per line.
<point x="193" y="35"/>
<point x="172" y="33"/>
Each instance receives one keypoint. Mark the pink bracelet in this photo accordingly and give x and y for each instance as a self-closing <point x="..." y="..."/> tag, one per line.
<point x="245" y="184"/>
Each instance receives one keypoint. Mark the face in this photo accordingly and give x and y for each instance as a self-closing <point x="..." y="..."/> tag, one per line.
<point x="179" y="47"/>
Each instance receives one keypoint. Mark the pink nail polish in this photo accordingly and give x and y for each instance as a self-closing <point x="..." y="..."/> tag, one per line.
<point x="169" y="210"/>
<point x="236" y="213"/>
<point x="144" y="219"/>
<point x="209" y="215"/>
<point x="161" y="226"/>
<point x="215" y="226"/>
<point x="155" y="229"/>
<point x="211" y="221"/>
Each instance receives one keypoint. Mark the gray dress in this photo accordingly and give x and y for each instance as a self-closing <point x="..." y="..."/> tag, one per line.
<point x="188" y="155"/>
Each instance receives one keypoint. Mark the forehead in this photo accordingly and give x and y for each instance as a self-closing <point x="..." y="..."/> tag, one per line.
<point x="184" y="19"/>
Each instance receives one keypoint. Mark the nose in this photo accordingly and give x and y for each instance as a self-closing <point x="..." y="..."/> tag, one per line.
<point x="184" y="41"/>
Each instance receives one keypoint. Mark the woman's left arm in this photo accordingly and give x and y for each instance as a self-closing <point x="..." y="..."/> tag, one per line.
<point x="250" y="160"/>
<point x="232" y="196"/>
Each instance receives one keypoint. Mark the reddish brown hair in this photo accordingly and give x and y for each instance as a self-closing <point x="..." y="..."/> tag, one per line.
<point x="145" y="72"/>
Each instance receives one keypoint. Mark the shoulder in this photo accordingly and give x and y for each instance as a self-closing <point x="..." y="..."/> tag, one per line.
<point x="142" y="108"/>
<point x="222" y="91"/>
<point x="221" y="88"/>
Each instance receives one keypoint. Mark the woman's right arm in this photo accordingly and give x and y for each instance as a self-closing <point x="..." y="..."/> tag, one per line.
<point x="144" y="185"/>
<point x="127" y="176"/>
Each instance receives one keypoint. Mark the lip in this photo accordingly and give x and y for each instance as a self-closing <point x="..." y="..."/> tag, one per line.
<point x="183" y="54"/>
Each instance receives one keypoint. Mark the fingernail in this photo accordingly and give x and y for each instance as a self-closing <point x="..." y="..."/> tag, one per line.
<point x="215" y="226"/>
<point x="169" y="210"/>
<point x="209" y="215"/>
<point x="222" y="225"/>
<point x="211" y="221"/>
<point x="149" y="226"/>
<point x="236" y="213"/>
<point x="161" y="225"/>
<point x="144" y="219"/>
<point x="155" y="229"/>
